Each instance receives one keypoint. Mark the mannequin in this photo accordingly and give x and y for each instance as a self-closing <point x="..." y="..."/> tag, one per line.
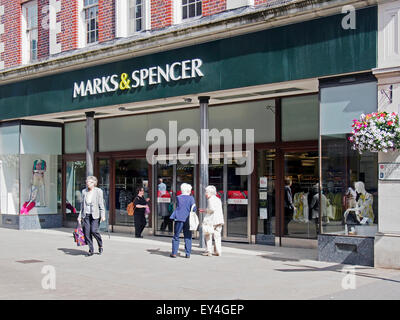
<point x="362" y="208"/>
<point x="39" y="168"/>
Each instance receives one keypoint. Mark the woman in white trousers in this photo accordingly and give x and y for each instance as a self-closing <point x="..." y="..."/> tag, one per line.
<point x="214" y="217"/>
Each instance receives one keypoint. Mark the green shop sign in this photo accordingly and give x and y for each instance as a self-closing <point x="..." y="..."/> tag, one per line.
<point x="314" y="48"/>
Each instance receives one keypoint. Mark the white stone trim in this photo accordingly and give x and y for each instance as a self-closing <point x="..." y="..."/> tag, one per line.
<point x="1" y="32"/>
<point x="55" y="27"/>
<point x="234" y="4"/>
<point x="81" y="25"/>
<point x="388" y="34"/>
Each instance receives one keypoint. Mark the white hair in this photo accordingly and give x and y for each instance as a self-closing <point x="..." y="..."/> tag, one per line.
<point x="211" y="190"/>
<point x="93" y="179"/>
<point x="186" y="188"/>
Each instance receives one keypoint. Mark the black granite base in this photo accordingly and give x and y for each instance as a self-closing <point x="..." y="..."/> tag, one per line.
<point x="29" y="222"/>
<point x="346" y="249"/>
<point x="268" y="239"/>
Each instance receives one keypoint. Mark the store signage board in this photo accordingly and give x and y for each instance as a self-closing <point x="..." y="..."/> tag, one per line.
<point x="163" y="200"/>
<point x="389" y="171"/>
<point x="238" y="201"/>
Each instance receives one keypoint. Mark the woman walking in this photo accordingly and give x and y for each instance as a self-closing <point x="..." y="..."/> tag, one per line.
<point x="212" y="222"/>
<point x="184" y="203"/>
<point x="141" y="204"/>
<point x="92" y="210"/>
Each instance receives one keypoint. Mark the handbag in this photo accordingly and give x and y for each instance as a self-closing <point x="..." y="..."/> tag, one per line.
<point x="193" y="220"/>
<point x="79" y="237"/>
<point x="207" y="228"/>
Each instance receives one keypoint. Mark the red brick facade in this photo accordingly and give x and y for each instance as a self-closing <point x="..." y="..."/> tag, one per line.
<point x="106" y="20"/>
<point x="12" y="40"/>
<point x="68" y="16"/>
<point x="161" y="12"/>
<point x="211" y="7"/>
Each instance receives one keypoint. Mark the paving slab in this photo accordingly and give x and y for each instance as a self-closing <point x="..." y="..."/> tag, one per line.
<point x="47" y="265"/>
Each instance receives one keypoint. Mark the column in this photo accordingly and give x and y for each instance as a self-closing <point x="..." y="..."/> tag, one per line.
<point x="203" y="157"/>
<point x="89" y="143"/>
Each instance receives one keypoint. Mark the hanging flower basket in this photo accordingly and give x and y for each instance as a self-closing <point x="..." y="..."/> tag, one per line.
<point x="378" y="131"/>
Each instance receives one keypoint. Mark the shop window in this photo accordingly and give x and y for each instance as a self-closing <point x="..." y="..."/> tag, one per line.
<point x="75" y="183"/>
<point x="91" y="11"/>
<point x="301" y="219"/>
<point x="300" y="118"/>
<point x="30" y="32"/>
<point x="349" y="198"/>
<point x="75" y="137"/>
<point x="30" y="169"/>
<point x="9" y="169"/>
<point x="259" y="115"/>
<point x="40" y="169"/>
<point x="191" y="9"/>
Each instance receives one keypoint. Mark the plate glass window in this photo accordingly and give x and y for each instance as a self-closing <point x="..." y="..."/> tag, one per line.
<point x="136" y="15"/>
<point x="91" y="9"/>
<point x="191" y="8"/>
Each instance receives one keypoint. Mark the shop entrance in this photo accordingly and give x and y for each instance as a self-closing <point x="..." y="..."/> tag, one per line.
<point x="234" y="191"/>
<point x="169" y="174"/>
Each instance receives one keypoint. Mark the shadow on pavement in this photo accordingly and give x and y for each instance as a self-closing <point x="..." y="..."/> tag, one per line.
<point x="274" y="258"/>
<point x="73" y="252"/>
<point x="158" y="252"/>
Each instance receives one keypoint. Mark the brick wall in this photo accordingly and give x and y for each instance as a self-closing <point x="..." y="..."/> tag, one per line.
<point x="43" y="29"/>
<point x="258" y="2"/>
<point x="211" y="7"/>
<point x="11" y="38"/>
<point x="161" y="13"/>
<point x="106" y="20"/>
<point x="68" y="16"/>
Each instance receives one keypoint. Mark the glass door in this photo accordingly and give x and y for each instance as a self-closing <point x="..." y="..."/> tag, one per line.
<point x="233" y="190"/>
<point x="130" y="174"/>
<point x="169" y="176"/>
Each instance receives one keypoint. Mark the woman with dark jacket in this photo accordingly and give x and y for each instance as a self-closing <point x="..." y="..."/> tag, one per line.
<point x="140" y="209"/>
<point x="181" y="215"/>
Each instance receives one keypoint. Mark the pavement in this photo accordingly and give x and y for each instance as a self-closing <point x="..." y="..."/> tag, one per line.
<point x="47" y="265"/>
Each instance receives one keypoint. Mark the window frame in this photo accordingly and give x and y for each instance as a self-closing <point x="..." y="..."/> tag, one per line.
<point x="133" y="20"/>
<point x="85" y="10"/>
<point x="196" y="16"/>
<point x="28" y="32"/>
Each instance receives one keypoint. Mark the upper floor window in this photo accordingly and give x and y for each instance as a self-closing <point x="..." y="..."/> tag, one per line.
<point x="191" y="8"/>
<point x="91" y="10"/>
<point x="30" y="31"/>
<point x="136" y="15"/>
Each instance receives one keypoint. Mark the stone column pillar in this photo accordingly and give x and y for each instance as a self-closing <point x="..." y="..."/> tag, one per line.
<point x="89" y="143"/>
<point x="203" y="157"/>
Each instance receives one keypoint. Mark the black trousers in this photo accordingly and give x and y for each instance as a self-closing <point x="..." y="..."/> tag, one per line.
<point x="91" y="229"/>
<point x="140" y="223"/>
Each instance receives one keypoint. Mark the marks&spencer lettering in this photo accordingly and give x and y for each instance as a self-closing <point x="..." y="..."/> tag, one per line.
<point x="187" y="69"/>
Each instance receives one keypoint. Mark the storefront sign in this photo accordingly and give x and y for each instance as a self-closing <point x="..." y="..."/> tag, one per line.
<point x="389" y="171"/>
<point x="238" y="201"/>
<point x="176" y="71"/>
<point x="163" y="200"/>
